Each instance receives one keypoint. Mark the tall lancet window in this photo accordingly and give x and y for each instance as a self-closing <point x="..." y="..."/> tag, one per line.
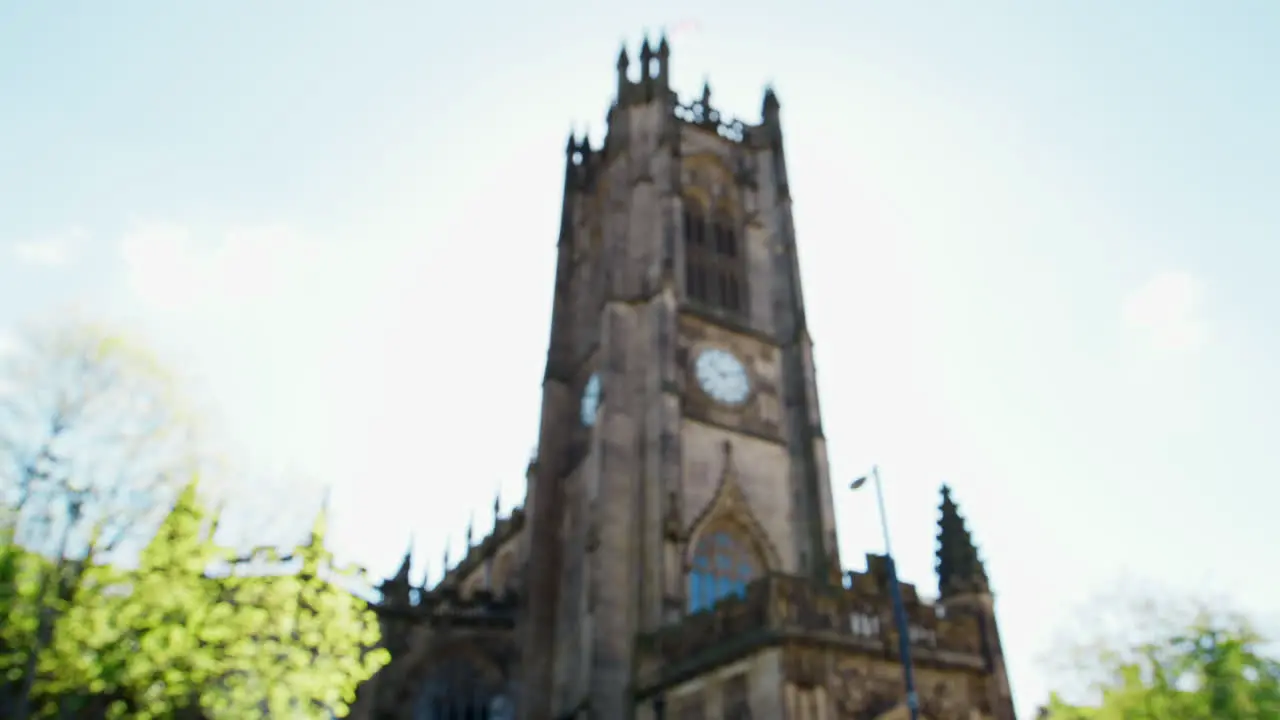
<point x="724" y="562"/>
<point x="714" y="259"/>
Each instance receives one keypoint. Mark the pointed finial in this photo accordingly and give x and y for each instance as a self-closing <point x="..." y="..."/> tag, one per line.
<point x="406" y="564"/>
<point x="960" y="568"/>
<point x="663" y="48"/>
<point x="446" y="555"/>
<point x="706" y="93"/>
<point x="471" y="522"/>
<point x="770" y="100"/>
<point x="497" y="506"/>
<point x="623" y="60"/>
<point x="646" y="52"/>
<point x="573" y="141"/>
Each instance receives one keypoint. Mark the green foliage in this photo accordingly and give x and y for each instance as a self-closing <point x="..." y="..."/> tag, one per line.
<point x="110" y="606"/>
<point x="165" y="639"/>
<point x="1215" y="668"/>
<point x="20" y="588"/>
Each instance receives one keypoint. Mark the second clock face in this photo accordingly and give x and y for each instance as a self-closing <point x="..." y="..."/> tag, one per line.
<point x="590" y="400"/>
<point x="722" y="376"/>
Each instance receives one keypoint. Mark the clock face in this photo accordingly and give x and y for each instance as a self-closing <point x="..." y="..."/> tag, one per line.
<point x="722" y="376"/>
<point x="590" y="400"/>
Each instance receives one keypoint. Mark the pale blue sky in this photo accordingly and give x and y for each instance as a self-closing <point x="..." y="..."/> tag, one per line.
<point x="1038" y="241"/>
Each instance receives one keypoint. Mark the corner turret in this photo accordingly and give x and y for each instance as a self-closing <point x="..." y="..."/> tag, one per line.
<point x="770" y="108"/>
<point x="963" y="589"/>
<point x="960" y="569"/>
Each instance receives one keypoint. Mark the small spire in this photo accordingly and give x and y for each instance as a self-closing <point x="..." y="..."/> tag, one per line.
<point x="663" y="48"/>
<point x="646" y="52"/>
<point x="727" y="449"/>
<point x="623" y="61"/>
<point x="471" y="522"/>
<point x="959" y="567"/>
<point x="706" y="93"/>
<point x="402" y="575"/>
<point x="770" y="99"/>
<point x="497" y="507"/>
<point x="573" y="141"/>
<point x="446" y="556"/>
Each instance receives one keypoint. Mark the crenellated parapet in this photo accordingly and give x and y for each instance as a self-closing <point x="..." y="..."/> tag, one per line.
<point x="929" y="623"/>
<point x="447" y="607"/>
<point x="700" y="113"/>
<point x="583" y="164"/>
<point x="782" y="609"/>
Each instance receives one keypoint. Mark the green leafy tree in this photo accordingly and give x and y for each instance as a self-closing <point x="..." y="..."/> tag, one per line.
<point x="93" y="446"/>
<point x="118" y="597"/>
<point x="270" y="636"/>
<point x="139" y="637"/>
<point x="1213" y="666"/>
<point x="313" y="641"/>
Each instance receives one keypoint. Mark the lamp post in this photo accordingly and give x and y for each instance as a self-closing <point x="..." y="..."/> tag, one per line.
<point x="895" y="595"/>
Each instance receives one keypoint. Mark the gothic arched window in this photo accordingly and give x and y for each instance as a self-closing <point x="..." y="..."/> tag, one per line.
<point x="715" y="265"/>
<point x="723" y="564"/>
<point x="458" y="690"/>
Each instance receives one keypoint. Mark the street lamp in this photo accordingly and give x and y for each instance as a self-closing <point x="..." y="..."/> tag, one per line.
<point x="895" y="595"/>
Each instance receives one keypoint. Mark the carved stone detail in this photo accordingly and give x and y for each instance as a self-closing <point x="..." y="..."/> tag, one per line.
<point x="729" y="504"/>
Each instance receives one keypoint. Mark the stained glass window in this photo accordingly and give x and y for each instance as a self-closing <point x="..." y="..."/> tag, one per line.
<point x="723" y="565"/>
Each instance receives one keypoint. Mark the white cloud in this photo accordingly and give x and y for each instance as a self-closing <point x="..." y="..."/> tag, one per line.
<point x="1167" y="311"/>
<point x="53" y="251"/>
<point x="320" y="362"/>
<point x="254" y="313"/>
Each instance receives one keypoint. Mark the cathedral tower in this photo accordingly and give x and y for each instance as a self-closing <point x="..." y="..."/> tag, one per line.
<point x="676" y="553"/>
<point x="680" y="420"/>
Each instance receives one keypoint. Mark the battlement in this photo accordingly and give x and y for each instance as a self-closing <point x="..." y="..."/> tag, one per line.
<point x="700" y="113"/>
<point x="448" y="607"/>
<point x="778" y="608"/>
<point x="873" y="584"/>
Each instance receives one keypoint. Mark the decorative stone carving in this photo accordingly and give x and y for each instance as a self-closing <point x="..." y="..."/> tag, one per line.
<point x="939" y="702"/>
<point x="729" y="504"/>
<point x="805" y="668"/>
<point x="863" y="695"/>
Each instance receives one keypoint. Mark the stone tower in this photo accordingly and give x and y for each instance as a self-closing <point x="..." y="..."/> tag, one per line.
<point x="679" y="400"/>
<point x="675" y="556"/>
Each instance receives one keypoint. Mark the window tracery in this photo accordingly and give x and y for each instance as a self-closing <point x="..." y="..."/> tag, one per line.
<point x="714" y="258"/>
<point x="724" y="563"/>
